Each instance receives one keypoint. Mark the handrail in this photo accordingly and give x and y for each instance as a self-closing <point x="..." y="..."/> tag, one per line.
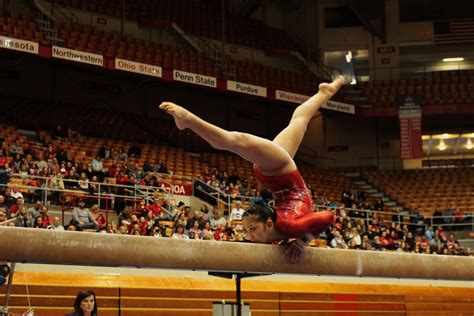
<point x="422" y="218"/>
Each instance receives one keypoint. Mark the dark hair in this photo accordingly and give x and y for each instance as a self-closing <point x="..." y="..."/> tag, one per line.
<point x="80" y="297"/>
<point x="261" y="212"/>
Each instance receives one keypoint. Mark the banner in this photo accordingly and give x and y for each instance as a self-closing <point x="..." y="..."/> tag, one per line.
<point x="246" y="88"/>
<point x="290" y="96"/>
<point x="139" y="68"/>
<point x="193" y="78"/>
<point x="19" y="45"/>
<point x="339" y="106"/>
<point x="411" y="143"/>
<point x="179" y="189"/>
<point x="78" y="56"/>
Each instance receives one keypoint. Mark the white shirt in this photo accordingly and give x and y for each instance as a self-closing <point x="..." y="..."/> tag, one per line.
<point x="236" y="214"/>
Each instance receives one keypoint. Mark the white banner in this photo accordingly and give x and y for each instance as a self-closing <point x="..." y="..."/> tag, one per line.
<point x="246" y="88"/>
<point x="19" y="45"/>
<point x="78" y="56"/>
<point x="193" y="78"/>
<point x="139" y="68"/>
<point x="339" y="106"/>
<point x="290" y="96"/>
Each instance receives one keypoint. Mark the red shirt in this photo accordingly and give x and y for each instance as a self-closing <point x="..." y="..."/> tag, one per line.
<point x="218" y="234"/>
<point x="156" y="209"/>
<point x="47" y="220"/>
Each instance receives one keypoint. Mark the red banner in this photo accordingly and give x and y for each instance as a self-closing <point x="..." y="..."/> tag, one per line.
<point x="411" y="145"/>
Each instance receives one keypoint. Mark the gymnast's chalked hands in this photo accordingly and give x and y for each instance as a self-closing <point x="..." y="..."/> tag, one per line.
<point x="294" y="250"/>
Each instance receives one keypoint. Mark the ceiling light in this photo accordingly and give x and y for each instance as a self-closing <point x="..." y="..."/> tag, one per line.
<point x="349" y="56"/>
<point x="447" y="60"/>
<point x="469" y="144"/>
<point x="442" y="145"/>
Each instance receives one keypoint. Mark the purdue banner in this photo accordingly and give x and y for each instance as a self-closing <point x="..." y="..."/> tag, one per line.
<point x="19" y="45"/>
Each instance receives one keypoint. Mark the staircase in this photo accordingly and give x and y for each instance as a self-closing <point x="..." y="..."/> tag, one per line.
<point x="368" y="188"/>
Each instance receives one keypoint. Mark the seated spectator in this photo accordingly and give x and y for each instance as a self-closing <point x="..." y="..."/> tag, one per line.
<point x="84" y="182"/>
<point x="458" y="216"/>
<point x="5" y="173"/>
<point x="19" y="204"/>
<point x="135" y="150"/>
<point x="23" y="219"/>
<point x="56" y="225"/>
<point x="123" y="230"/>
<point x="221" y="233"/>
<point x="159" y="231"/>
<point x="4" y="206"/>
<point x="133" y="221"/>
<point x="179" y="232"/>
<point x="217" y="220"/>
<point x="9" y="199"/>
<point x="104" y="152"/>
<point x="195" y="231"/>
<point x="99" y="218"/>
<point x="38" y="222"/>
<point x="237" y="212"/>
<point x="15" y="193"/>
<point x="82" y="218"/>
<point x="207" y="233"/>
<point x="35" y="209"/>
<point x="110" y="229"/>
<point x="45" y="217"/>
<point x="338" y="241"/>
<point x="354" y="236"/>
<point x="3" y="215"/>
<point x="437" y="216"/>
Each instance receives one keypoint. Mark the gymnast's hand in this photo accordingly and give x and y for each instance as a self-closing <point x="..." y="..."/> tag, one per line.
<point x="294" y="250"/>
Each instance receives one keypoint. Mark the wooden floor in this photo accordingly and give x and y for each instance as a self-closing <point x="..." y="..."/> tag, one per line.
<point x="54" y="293"/>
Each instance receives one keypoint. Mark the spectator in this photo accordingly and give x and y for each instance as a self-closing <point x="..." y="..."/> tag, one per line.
<point x="84" y="182"/>
<point x="5" y="173"/>
<point x="217" y="220"/>
<point x="9" y="199"/>
<point x="35" y="209"/>
<point x="14" y="208"/>
<point x="195" y="231"/>
<point x="82" y="218"/>
<point x="125" y="217"/>
<point x="458" y="216"/>
<point x="85" y="304"/>
<point x="4" y="206"/>
<point x="97" y="166"/>
<point x="179" y="232"/>
<point x="437" y="217"/>
<point x="207" y="233"/>
<point x="338" y="241"/>
<point x="237" y="212"/>
<point x="56" y="224"/>
<point x="135" y="150"/>
<point x="45" y="217"/>
<point x="3" y="215"/>
<point x="448" y="217"/>
<point x="104" y="152"/>
<point x="221" y="233"/>
<point x="16" y="193"/>
<point x="99" y="218"/>
<point x="23" y="219"/>
<point x="38" y="222"/>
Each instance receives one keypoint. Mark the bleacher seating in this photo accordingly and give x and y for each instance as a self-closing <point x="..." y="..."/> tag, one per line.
<point x="200" y="18"/>
<point x="435" y="88"/>
<point x="427" y="190"/>
<point x="22" y="26"/>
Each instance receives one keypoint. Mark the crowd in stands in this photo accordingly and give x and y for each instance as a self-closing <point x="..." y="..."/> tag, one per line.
<point x="158" y="217"/>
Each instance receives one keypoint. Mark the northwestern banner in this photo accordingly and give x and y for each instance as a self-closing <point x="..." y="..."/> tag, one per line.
<point x="78" y="56"/>
<point x="139" y="68"/>
<point x="19" y="45"/>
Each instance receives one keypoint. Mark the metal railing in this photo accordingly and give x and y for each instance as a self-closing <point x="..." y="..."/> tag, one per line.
<point x="403" y="218"/>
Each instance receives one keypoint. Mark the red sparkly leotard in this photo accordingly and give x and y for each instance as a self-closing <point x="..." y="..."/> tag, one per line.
<point x="294" y="205"/>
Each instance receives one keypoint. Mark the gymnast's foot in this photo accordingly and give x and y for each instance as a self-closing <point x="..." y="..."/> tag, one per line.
<point x="332" y="88"/>
<point x="181" y="115"/>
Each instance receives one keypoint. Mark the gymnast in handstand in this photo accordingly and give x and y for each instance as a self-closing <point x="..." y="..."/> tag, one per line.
<point x="292" y="218"/>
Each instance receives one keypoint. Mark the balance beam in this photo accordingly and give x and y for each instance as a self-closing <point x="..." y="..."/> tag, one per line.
<point x="93" y="249"/>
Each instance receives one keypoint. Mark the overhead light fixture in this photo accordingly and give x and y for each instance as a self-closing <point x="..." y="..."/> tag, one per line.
<point x="349" y="56"/>
<point x="442" y="145"/>
<point x="452" y="59"/>
<point x="469" y="144"/>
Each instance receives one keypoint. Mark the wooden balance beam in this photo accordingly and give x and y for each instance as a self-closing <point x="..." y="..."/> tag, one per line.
<point x="93" y="249"/>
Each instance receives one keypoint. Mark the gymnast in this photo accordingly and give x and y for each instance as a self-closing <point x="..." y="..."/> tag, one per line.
<point x="292" y="218"/>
